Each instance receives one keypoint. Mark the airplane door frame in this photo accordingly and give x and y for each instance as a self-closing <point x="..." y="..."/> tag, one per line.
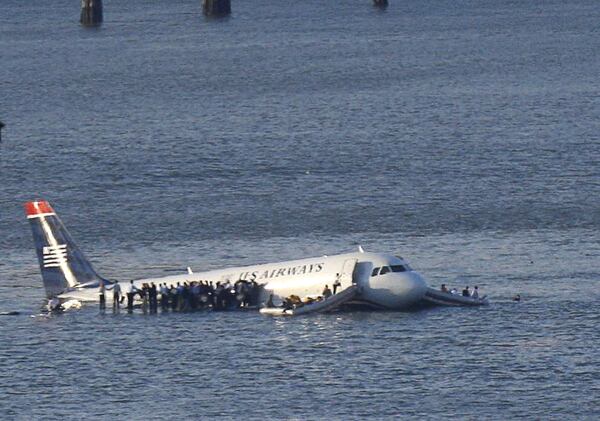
<point x="347" y="274"/>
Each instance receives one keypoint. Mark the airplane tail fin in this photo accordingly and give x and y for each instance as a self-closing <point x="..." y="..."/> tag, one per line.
<point x="62" y="263"/>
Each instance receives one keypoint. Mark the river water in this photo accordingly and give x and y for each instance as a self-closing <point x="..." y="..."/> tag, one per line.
<point x="463" y="135"/>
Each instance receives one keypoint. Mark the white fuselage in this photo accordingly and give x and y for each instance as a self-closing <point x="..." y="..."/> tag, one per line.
<point x="399" y="288"/>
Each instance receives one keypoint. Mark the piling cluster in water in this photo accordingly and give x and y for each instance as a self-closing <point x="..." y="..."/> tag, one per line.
<point x="91" y="12"/>
<point x="216" y="7"/>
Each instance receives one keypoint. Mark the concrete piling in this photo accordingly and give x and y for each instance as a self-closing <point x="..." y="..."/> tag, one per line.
<point x="216" y="7"/>
<point x="91" y="12"/>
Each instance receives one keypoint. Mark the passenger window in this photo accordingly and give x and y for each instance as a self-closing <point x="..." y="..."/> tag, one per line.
<point x="384" y="270"/>
<point x="375" y="272"/>
<point x="398" y="268"/>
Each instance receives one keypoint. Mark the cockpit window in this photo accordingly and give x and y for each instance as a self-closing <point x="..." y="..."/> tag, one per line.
<point x="375" y="272"/>
<point x="398" y="268"/>
<point x="384" y="270"/>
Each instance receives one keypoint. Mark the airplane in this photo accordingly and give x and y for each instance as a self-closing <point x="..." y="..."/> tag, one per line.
<point x="381" y="281"/>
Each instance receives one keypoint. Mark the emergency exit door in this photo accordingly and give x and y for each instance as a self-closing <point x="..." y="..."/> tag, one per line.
<point x="347" y="274"/>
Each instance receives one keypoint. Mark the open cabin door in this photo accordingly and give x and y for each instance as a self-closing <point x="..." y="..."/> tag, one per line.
<point x="362" y="273"/>
<point x="346" y="277"/>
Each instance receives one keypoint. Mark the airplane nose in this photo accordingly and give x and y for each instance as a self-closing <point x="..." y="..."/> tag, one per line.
<point x="416" y="285"/>
<point x="395" y="290"/>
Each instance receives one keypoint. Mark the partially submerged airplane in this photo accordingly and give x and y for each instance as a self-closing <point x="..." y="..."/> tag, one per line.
<point x="379" y="281"/>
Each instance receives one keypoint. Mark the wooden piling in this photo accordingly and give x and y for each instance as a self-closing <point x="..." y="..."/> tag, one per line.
<point x="91" y="12"/>
<point x="1" y="127"/>
<point x="380" y="3"/>
<point x="216" y="7"/>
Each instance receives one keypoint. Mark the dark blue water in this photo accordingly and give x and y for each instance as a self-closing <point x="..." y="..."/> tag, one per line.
<point x="462" y="134"/>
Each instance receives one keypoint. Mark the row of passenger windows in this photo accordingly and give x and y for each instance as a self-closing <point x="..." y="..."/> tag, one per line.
<point x="387" y="269"/>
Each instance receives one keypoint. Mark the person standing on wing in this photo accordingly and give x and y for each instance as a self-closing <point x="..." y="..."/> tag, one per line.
<point x="101" y="291"/>
<point x="164" y="296"/>
<point x="116" y="296"/>
<point x="131" y="290"/>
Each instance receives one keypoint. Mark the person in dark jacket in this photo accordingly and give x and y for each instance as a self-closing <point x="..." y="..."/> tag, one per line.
<point x="102" y="292"/>
<point x="173" y="298"/>
<point x="164" y="297"/>
<point x="144" y="295"/>
<point x="152" y="294"/>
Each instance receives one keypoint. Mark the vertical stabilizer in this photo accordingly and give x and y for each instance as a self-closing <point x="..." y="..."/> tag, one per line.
<point x="62" y="264"/>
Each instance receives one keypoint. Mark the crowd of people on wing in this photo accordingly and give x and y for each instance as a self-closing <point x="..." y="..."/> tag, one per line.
<point x="465" y="292"/>
<point x="189" y="296"/>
